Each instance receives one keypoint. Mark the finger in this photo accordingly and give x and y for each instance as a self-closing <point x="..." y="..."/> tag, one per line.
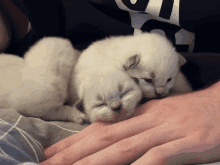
<point x="132" y="148"/>
<point x="52" y="150"/>
<point x="144" y="108"/>
<point x="101" y="139"/>
<point x="186" y="150"/>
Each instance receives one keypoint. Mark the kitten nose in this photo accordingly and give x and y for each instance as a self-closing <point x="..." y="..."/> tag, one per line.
<point x="116" y="106"/>
<point x="159" y="92"/>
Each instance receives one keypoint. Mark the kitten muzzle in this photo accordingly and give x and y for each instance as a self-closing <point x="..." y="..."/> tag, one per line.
<point x="116" y="106"/>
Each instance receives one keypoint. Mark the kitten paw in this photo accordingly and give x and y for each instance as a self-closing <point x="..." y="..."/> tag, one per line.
<point x="77" y="116"/>
<point x="79" y="119"/>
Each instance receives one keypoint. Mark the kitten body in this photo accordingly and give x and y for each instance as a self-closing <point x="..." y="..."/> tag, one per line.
<point x="48" y="81"/>
<point x="106" y="91"/>
<point x="10" y="76"/>
<point x="104" y="82"/>
<point x="158" y="71"/>
<point x="149" y="59"/>
<point x="45" y="78"/>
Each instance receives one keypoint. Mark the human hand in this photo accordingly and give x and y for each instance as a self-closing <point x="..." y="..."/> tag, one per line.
<point x="184" y="129"/>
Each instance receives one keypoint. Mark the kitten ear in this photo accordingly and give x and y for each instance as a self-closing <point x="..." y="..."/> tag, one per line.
<point x="79" y="105"/>
<point x="132" y="62"/>
<point x="182" y="60"/>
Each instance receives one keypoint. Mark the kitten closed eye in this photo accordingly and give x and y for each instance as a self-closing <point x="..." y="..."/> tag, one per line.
<point x="135" y="80"/>
<point x="148" y="80"/>
<point x="126" y="92"/>
<point x="169" y="79"/>
<point x="99" y="105"/>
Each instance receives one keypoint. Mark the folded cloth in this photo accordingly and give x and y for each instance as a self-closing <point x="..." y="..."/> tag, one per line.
<point x="23" y="139"/>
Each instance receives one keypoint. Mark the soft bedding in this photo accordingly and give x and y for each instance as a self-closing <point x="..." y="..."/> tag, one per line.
<point x="23" y="139"/>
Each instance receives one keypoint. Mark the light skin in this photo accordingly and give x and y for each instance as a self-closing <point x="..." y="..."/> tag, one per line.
<point x="182" y="129"/>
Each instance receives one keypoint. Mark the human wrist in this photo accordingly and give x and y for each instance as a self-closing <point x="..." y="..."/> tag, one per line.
<point x="215" y="89"/>
<point x="208" y="95"/>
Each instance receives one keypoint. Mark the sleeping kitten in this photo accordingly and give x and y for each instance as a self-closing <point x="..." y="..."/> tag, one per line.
<point x="156" y="66"/>
<point x="100" y="84"/>
<point x="45" y="78"/>
<point x="149" y="59"/>
<point x="152" y="61"/>
<point x="10" y="76"/>
<point x="105" y="92"/>
<point x="48" y="83"/>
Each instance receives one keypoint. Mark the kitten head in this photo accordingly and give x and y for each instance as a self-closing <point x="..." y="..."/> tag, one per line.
<point x="109" y="97"/>
<point x="153" y="63"/>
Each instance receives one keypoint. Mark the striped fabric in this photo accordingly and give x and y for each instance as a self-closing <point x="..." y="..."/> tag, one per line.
<point x="192" y="25"/>
<point x="23" y="139"/>
<point x="17" y="145"/>
<point x="168" y="10"/>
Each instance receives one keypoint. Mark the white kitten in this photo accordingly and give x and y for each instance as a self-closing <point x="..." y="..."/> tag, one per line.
<point x="156" y="66"/>
<point x="10" y="76"/>
<point x="48" y="82"/>
<point x="107" y="93"/>
<point x="149" y="58"/>
<point x="101" y="81"/>
<point x="45" y="78"/>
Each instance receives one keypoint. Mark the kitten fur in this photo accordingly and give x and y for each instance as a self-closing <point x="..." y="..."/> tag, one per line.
<point x="149" y="58"/>
<point x="102" y="81"/>
<point x="48" y="82"/>
<point x="45" y="78"/>
<point x="157" y="66"/>
<point x="106" y="92"/>
<point x="10" y="76"/>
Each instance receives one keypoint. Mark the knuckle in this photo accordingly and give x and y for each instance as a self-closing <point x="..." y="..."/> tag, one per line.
<point x="106" y="134"/>
<point x="158" y="153"/>
<point x="106" y="131"/>
<point x="86" y="161"/>
<point x="126" y="146"/>
<point x="202" y="141"/>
